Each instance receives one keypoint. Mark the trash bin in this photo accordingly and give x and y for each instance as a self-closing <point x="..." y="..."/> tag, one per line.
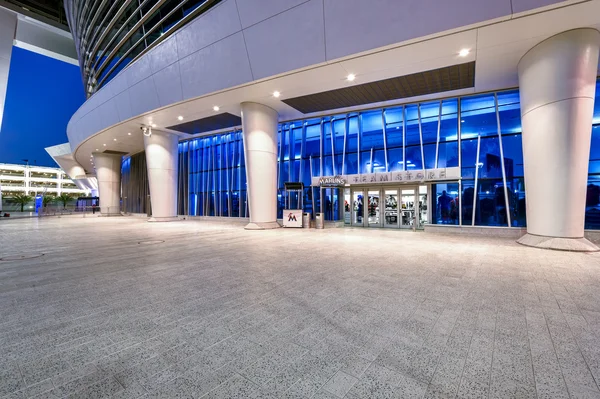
<point x="319" y="220"/>
<point x="306" y="220"/>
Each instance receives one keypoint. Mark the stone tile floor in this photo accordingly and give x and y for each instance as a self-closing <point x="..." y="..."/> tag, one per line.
<point x="218" y="312"/>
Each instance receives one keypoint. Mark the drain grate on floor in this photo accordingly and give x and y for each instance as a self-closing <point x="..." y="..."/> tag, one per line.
<point x="9" y="258"/>
<point x="150" y="242"/>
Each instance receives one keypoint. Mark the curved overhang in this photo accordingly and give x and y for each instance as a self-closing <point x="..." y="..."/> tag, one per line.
<point x="61" y="154"/>
<point x="228" y="56"/>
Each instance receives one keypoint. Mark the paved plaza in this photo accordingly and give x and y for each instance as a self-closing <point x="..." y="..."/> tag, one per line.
<point x="214" y="311"/>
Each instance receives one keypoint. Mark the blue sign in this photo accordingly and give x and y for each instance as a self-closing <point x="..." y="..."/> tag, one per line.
<point x="39" y="200"/>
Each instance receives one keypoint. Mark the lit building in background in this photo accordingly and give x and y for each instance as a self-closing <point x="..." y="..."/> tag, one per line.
<point x="34" y="180"/>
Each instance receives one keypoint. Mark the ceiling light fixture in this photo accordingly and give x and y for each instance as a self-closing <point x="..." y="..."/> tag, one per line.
<point x="216" y="108"/>
<point x="104" y="145"/>
<point x="351" y="77"/>
<point x="114" y="139"/>
<point x="153" y="125"/>
<point x="464" y="52"/>
<point x="180" y="118"/>
<point x="129" y="133"/>
<point x="276" y="94"/>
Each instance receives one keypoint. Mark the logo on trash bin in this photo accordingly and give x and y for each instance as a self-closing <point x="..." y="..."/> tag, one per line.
<point x="292" y="218"/>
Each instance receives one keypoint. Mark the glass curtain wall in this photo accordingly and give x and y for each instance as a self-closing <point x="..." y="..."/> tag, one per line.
<point x="492" y="160"/>
<point x="213" y="176"/>
<point x="592" y="200"/>
<point x="134" y="184"/>
<point x="481" y="134"/>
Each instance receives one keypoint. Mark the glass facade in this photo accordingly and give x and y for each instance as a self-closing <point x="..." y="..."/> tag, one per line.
<point x="592" y="209"/>
<point x="480" y="134"/>
<point x="213" y="176"/>
<point x="109" y="35"/>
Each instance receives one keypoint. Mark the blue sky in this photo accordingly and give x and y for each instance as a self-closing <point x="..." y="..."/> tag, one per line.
<point x="42" y="95"/>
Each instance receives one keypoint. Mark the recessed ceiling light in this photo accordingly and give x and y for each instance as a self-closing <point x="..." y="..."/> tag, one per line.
<point x="216" y="108"/>
<point x="104" y="145"/>
<point x="351" y="77"/>
<point x="97" y="149"/>
<point x="276" y="94"/>
<point x="114" y="139"/>
<point x="129" y="133"/>
<point x="180" y="117"/>
<point x="464" y="52"/>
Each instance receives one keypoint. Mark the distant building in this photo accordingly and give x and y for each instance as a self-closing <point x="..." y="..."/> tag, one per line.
<point x="34" y="180"/>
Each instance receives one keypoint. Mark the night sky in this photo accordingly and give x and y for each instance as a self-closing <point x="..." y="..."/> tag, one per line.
<point x="42" y="95"/>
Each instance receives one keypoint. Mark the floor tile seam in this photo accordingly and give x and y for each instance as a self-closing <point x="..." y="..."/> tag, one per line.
<point x="462" y="370"/>
<point x="555" y="356"/>
<point x="581" y="353"/>
<point x="471" y="343"/>
<point x="530" y="350"/>
<point x="593" y="331"/>
<point x="226" y="380"/>
<point x="493" y="351"/>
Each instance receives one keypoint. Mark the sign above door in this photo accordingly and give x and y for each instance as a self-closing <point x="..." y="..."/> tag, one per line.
<point x="407" y="176"/>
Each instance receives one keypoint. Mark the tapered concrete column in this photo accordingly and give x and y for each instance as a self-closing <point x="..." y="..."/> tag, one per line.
<point x="162" y="164"/>
<point x="259" y="125"/>
<point x="108" y="172"/>
<point x="557" y="81"/>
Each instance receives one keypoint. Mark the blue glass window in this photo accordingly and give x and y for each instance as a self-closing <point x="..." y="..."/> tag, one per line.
<point x="445" y="207"/>
<point x="372" y="131"/>
<point x="478" y="116"/>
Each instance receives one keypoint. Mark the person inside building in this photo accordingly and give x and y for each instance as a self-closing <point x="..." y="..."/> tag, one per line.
<point x="444" y="206"/>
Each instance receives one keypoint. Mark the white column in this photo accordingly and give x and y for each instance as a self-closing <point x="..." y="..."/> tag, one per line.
<point x="259" y="125"/>
<point x="557" y="81"/>
<point x="108" y="172"/>
<point x="162" y="165"/>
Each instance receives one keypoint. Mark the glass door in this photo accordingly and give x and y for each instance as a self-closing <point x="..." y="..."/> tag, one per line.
<point x="358" y="208"/>
<point x="407" y="217"/>
<point x="373" y="209"/>
<point x="347" y="202"/>
<point x="391" y="218"/>
<point x="422" y="211"/>
<point x="331" y="203"/>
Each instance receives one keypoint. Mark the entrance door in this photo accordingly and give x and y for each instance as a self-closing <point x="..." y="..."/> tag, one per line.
<point x="407" y="201"/>
<point x="330" y="203"/>
<point x="422" y="211"/>
<point x="358" y="208"/>
<point x="391" y="217"/>
<point x="373" y="209"/>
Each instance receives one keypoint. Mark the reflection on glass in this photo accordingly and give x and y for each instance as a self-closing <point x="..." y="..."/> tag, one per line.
<point x="357" y="208"/>
<point x="423" y="208"/>
<point x="445" y="209"/>
<point x="373" y="209"/>
<point x="408" y="208"/>
<point x="592" y="203"/>
<point x="391" y="208"/>
<point x="347" y="202"/>
<point x="331" y="203"/>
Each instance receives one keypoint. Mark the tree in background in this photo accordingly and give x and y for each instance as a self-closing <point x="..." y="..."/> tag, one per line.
<point x="47" y="200"/>
<point x="22" y="199"/>
<point x="64" y="198"/>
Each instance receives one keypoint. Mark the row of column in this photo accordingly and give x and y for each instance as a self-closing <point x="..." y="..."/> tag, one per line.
<point x="259" y="124"/>
<point x="557" y="86"/>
